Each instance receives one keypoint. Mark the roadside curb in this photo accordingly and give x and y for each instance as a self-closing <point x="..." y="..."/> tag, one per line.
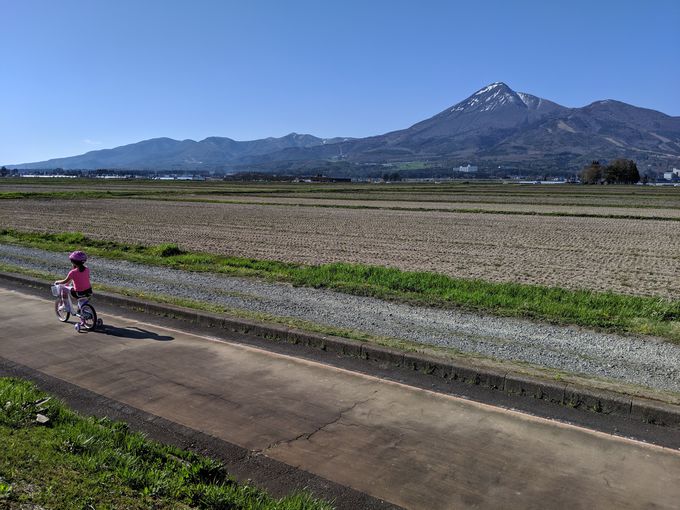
<point x="562" y="393"/>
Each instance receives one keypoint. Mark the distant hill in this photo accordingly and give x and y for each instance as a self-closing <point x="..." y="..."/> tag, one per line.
<point x="494" y="126"/>
<point x="165" y="153"/>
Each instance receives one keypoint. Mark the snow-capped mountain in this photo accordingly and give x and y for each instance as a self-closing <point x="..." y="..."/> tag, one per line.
<point x="492" y="97"/>
<point x="493" y="107"/>
<point x="495" y="125"/>
<point x="498" y="125"/>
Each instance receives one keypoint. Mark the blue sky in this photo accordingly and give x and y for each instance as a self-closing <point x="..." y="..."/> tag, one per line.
<point x="82" y="75"/>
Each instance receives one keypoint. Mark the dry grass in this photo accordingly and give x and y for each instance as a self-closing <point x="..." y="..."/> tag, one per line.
<point x="626" y="256"/>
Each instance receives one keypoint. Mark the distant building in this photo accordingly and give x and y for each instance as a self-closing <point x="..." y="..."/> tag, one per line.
<point x="179" y="178"/>
<point x="190" y="178"/>
<point x="322" y="178"/>
<point x="468" y="169"/>
<point x="672" y="175"/>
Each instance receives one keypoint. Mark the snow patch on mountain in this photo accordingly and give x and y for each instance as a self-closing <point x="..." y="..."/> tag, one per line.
<point x="531" y="102"/>
<point x="615" y="142"/>
<point x="489" y="87"/>
<point x="566" y="127"/>
<point x="488" y="99"/>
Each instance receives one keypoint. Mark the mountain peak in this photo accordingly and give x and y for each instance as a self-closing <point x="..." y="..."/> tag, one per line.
<point x="494" y="107"/>
<point x="493" y="87"/>
<point x="489" y="98"/>
<point x="608" y="103"/>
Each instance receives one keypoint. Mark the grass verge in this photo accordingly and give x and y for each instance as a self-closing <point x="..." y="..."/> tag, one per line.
<point x="75" y="462"/>
<point x="604" y="310"/>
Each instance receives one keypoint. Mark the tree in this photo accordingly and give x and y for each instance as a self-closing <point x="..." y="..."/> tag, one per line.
<point x="391" y="176"/>
<point x="592" y="174"/>
<point x="622" y="171"/>
<point x="4" y="172"/>
<point x="633" y="174"/>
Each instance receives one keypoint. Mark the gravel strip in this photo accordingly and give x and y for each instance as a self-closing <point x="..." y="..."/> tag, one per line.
<point x="642" y="361"/>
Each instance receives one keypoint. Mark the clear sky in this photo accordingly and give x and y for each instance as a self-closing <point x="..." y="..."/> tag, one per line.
<point x="90" y="74"/>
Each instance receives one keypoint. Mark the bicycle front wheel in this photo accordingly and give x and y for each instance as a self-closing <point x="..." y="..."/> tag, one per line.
<point x="88" y="317"/>
<point x="61" y="310"/>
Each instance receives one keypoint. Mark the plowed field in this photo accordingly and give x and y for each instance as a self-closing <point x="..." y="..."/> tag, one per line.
<point x="523" y="208"/>
<point x="627" y="256"/>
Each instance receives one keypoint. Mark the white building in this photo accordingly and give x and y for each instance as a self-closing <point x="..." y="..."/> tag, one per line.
<point x="669" y="176"/>
<point x="467" y="169"/>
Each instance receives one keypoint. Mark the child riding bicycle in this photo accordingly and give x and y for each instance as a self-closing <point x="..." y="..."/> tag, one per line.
<point x="79" y="276"/>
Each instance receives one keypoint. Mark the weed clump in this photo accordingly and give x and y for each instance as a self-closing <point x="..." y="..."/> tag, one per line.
<point x="166" y="250"/>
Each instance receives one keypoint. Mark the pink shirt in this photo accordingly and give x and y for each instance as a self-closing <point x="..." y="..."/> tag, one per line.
<point x="81" y="280"/>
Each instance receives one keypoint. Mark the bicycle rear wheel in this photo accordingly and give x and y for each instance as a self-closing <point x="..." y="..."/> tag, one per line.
<point x="88" y="317"/>
<point x="61" y="310"/>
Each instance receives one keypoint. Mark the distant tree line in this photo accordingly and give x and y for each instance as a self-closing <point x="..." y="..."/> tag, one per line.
<point x="6" y="172"/>
<point x="391" y="177"/>
<point x="258" y="176"/>
<point x="619" y="171"/>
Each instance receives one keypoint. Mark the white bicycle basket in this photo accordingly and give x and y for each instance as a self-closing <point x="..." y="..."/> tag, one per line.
<point x="55" y="290"/>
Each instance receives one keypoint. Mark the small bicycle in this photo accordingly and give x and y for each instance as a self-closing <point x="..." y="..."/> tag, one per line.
<point x="64" y="308"/>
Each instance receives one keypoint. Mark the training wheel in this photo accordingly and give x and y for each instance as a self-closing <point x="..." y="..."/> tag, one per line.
<point x="100" y="322"/>
<point x="77" y="328"/>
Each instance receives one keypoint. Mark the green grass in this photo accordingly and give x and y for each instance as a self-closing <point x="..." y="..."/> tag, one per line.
<point x="78" y="462"/>
<point x="604" y="310"/>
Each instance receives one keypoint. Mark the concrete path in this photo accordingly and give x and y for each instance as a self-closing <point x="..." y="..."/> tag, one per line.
<point x="409" y="446"/>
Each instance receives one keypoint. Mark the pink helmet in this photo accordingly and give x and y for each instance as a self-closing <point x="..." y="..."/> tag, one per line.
<point x="77" y="256"/>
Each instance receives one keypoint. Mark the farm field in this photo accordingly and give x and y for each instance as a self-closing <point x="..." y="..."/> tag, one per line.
<point x="482" y="192"/>
<point x="517" y="195"/>
<point x="509" y="191"/>
<point x="629" y="256"/>
<point x="452" y="205"/>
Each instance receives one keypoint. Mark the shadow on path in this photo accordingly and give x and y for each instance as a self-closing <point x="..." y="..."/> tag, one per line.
<point x="133" y="332"/>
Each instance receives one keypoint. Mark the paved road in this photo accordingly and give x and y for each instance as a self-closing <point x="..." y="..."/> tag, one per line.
<point x="409" y="446"/>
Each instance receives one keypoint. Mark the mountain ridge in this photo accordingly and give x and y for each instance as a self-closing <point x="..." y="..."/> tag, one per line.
<point x="494" y="125"/>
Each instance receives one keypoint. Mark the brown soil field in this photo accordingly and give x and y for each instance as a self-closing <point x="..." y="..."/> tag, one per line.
<point x="452" y="205"/>
<point x="124" y="185"/>
<point x="626" y="256"/>
<point x="454" y="192"/>
<point x="657" y="200"/>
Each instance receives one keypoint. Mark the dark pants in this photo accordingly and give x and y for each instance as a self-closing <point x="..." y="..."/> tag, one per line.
<point x="82" y="294"/>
